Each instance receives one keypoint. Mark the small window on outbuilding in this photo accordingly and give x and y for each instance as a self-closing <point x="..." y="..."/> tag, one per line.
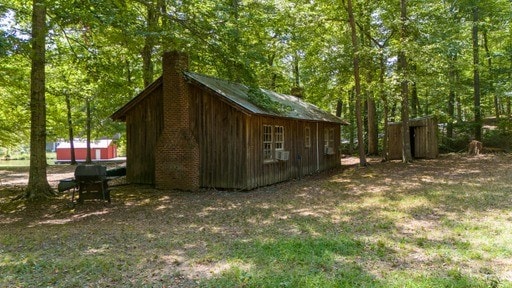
<point x="329" y="137"/>
<point x="307" y="137"/>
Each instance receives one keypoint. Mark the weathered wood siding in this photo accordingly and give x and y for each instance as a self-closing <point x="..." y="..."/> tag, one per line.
<point x="424" y="143"/>
<point x="143" y="127"/>
<point x="394" y="141"/>
<point x="220" y="131"/>
<point x="302" y="160"/>
<point x="231" y="145"/>
<point x="425" y="138"/>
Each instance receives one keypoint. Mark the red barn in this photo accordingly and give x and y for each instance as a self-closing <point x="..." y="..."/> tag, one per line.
<point x="100" y="150"/>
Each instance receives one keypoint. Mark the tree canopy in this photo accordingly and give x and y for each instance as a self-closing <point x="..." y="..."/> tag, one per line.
<point x="106" y="51"/>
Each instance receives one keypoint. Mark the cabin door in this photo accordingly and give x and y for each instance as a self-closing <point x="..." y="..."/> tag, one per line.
<point x="98" y="154"/>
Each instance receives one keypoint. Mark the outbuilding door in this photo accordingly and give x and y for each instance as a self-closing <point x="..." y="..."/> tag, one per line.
<point x="98" y="154"/>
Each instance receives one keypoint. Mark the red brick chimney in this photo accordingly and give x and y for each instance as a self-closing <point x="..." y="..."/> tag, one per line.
<point x="177" y="151"/>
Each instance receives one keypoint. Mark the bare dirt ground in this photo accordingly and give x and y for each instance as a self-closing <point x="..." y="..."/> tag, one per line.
<point x="14" y="179"/>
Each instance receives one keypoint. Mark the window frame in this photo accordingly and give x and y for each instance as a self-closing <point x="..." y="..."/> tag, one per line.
<point x="278" y="137"/>
<point x="268" y="132"/>
<point x="273" y="140"/>
<point x="307" y="137"/>
<point x="328" y="138"/>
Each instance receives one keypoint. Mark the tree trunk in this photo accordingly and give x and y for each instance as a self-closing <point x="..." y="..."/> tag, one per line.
<point x="404" y="87"/>
<point x="352" y="121"/>
<point x="509" y="104"/>
<point x="476" y="77"/>
<point x="371" y="107"/>
<point x="359" y="117"/>
<point x="296" y="75"/>
<point x="415" y="101"/>
<point x="38" y="186"/>
<point x="339" y="107"/>
<point x="237" y="69"/>
<point x="451" y="96"/>
<point x="451" y="112"/>
<point x="491" y="78"/>
<point x="273" y="74"/>
<point x="149" y="43"/>
<point x="384" y="98"/>
<point x="70" y="129"/>
<point x="88" y="132"/>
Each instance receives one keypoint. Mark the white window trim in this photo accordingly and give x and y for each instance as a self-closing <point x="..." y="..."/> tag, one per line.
<point x="270" y="142"/>
<point x="274" y="136"/>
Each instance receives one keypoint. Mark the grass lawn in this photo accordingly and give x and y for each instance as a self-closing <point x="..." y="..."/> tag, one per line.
<point x="433" y="223"/>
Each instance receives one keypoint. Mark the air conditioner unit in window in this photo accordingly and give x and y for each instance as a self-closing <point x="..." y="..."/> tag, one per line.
<point x="329" y="151"/>
<point x="282" y="155"/>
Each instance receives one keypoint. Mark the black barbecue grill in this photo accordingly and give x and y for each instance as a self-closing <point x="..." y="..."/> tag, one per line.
<point x="91" y="182"/>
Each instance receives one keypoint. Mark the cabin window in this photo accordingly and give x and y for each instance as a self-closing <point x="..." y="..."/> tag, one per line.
<point x="329" y="137"/>
<point x="279" y="136"/>
<point x="273" y="139"/>
<point x="307" y="137"/>
<point x="267" y="142"/>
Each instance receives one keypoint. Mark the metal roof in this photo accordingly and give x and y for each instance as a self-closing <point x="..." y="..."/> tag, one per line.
<point x="239" y="94"/>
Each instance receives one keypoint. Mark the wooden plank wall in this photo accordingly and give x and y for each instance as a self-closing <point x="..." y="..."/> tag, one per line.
<point x="231" y="145"/>
<point x="425" y="139"/>
<point x="220" y="132"/>
<point x="394" y="141"/>
<point x="143" y="127"/>
<point x="262" y="173"/>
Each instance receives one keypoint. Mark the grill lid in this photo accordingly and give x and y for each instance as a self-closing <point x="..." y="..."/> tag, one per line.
<point x="90" y="173"/>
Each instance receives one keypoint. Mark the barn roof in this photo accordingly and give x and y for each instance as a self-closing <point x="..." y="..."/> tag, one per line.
<point x="98" y="144"/>
<point x="238" y="95"/>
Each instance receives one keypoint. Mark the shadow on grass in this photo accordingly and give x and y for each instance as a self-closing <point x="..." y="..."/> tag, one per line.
<point x="388" y="225"/>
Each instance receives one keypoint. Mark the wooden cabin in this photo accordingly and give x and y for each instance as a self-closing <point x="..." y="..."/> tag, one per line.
<point x="424" y="138"/>
<point x="187" y="131"/>
<point x="104" y="149"/>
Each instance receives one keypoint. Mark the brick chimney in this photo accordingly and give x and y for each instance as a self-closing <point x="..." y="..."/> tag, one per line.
<point x="177" y="151"/>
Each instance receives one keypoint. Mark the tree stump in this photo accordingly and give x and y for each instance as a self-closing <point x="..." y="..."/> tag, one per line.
<point x="474" y="148"/>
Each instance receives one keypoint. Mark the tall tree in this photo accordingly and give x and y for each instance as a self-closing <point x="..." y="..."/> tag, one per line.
<point x="357" y="79"/>
<point x="490" y="74"/>
<point x="152" y="17"/>
<point x="404" y="85"/>
<point x="70" y="127"/>
<point x="476" y="74"/>
<point x="38" y="186"/>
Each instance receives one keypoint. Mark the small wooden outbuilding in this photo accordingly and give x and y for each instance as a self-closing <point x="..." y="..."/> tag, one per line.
<point x="186" y="131"/>
<point x="424" y="138"/>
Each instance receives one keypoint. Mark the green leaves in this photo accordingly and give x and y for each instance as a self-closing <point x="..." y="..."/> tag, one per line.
<point x="263" y="100"/>
<point x="95" y="50"/>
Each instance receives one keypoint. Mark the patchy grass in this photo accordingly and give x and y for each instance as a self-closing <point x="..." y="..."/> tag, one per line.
<point x="433" y="223"/>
